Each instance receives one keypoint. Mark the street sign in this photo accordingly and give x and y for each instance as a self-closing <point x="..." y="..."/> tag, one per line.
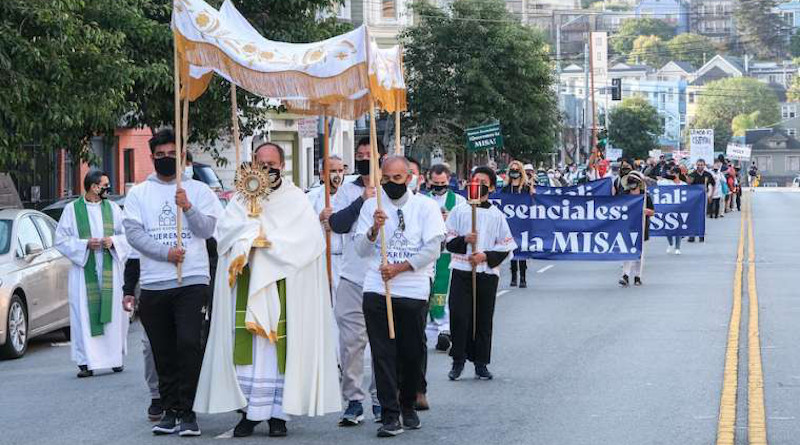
<point x="701" y="145"/>
<point x="739" y="152"/>
<point x="485" y="137"/>
<point x="308" y="127"/>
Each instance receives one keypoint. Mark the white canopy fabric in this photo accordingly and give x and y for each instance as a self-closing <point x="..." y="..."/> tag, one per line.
<point x="330" y="77"/>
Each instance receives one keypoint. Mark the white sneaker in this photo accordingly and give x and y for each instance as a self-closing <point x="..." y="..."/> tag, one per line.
<point x="669" y="249"/>
<point x="677" y="251"/>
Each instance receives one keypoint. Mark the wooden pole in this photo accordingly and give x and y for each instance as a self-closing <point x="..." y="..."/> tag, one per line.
<point x="594" y="105"/>
<point x="178" y="140"/>
<point x="474" y="274"/>
<point x="326" y="175"/>
<point x="374" y="173"/>
<point x="398" y="149"/>
<point x="235" y="125"/>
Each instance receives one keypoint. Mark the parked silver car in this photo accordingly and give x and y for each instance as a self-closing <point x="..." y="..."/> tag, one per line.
<point x="33" y="280"/>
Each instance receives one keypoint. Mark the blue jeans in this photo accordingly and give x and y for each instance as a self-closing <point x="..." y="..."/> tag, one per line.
<point x="674" y="240"/>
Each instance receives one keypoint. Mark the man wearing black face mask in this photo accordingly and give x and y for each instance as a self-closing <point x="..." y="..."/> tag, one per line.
<point x="171" y="311"/>
<point x="414" y="231"/>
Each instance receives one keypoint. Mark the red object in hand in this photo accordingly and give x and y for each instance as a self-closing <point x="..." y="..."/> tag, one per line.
<point x="474" y="191"/>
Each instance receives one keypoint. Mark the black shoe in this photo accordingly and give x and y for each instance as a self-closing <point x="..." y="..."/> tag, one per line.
<point x="513" y="282"/>
<point x="691" y="239"/>
<point x="411" y="420"/>
<point x="702" y="239"/>
<point x="155" y="411"/>
<point x="118" y="369"/>
<point x="421" y="404"/>
<point x="443" y="342"/>
<point x="168" y="424"/>
<point x="84" y="371"/>
<point x="188" y="425"/>
<point x="390" y="429"/>
<point x="482" y="372"/>
<point x="245" y="427"/>
<point x="637" y="281"/>
<point x="523" y="284"/>
<point x="455" y="372"/>
<point x="277" y="428"/>
<point x="624" y="281"/>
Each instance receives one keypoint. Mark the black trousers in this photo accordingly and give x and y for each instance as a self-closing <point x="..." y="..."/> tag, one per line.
<point x="397" y="363"/>
<point x="713" y="209"/>
<point x="173" y="320"/>
<point x="522" y="265"/>
<point x="464" y="347"/>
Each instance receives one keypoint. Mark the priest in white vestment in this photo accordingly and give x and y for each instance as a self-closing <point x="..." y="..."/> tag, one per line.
<point x="91" y="236"/>
<point x="271" y="349"/>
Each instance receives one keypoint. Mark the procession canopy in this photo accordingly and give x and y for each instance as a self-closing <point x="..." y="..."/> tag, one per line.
<point x="333" y="77"/>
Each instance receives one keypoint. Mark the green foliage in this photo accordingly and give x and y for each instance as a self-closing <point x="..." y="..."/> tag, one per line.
<point x="475" y="64"/>
<point x="635" y="127"/>
<point x="744" y="122"/>
<point x="793" y="94"/>
<point x="759" y="28"/>
<point x="691" y="48"/>
<point x="794" y="45"/>
<point x="724" y="99"/>
<point x="649" y="50"/>
<point x="631" y="29"/>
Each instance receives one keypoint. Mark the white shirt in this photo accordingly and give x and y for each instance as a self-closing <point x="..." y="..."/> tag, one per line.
<point x="423" y="223"/>
<point x="493" y="235"/>
<point x="441" y="200"/>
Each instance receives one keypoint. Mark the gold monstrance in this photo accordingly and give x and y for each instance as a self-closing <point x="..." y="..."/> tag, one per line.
<point x="254" y="182"/>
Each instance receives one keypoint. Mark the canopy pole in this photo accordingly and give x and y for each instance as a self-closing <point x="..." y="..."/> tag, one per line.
<point x="235" y="125"/>
<point x="398" y="149"/>
<point x="375" y="173"/>
<point x="178" y="140"/>
<point x="326" y="175"/>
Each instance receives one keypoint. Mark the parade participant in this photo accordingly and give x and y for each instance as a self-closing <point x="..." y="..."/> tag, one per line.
<point x="703" y="177"/>
<point x="493" y="244"/>
<point x="90" y="235"/>
<point x="270" y="352"/>
<point x="719" y="192"/>
<point x="171" y="307"/>
<point x="417" y="183"/>
<point x="349" y="296"/>
<point x="447" y="200"/>
<point x="625" y="167"/>
<point x="519" y="184"/>
<point x="672" y="177"/>
<point x="414" y="231"/>
<point x="530" y="175"/>
<point x="336" y="172"/>
<point x="634" y="184"/>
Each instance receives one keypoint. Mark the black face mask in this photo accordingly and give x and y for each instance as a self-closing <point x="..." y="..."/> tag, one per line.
<point x="275" y="175"/>
<point x="438" y="189"/>
<point x="395" y="190"/>
<point x="362" y="167"/>
<point x="103" y="193"/>
<point x="514" y="174"/>
<point x="165" y="166"/>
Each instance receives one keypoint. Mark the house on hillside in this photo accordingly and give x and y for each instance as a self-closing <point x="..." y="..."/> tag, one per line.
<point x="713" y="19"/>
<point x="775" y="153"/>
<point x="673" y="12"/>
<point x="676" y="70"/>
<point x="719" y="67"/>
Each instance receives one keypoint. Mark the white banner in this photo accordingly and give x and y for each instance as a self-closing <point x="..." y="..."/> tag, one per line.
<point x="701" y="145"/>
<point x="739" y="152"/>
<point x="655" y="153"/>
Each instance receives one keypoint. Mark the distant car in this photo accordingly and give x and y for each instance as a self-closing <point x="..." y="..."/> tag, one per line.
<point x="205" y="173"/>
<point x="33" y="276"/>
<point x="796" y="181"/>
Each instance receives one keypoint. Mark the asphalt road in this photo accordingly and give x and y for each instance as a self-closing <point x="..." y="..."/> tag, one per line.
<point x="577" y="360"/>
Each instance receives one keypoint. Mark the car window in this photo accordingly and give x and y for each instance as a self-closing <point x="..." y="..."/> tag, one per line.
<point x="206" y="174"/>
<point x="27" y="234"/>
<point x="5" y="236"/>
<point x="46" y="230"/>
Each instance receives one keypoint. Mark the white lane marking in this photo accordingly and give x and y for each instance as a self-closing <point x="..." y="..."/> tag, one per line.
<point x="544" y="269"/>
<point x="502" y="292"/>
<point x="782" y="418"/>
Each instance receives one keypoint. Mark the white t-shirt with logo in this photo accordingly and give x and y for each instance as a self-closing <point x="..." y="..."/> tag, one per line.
<point x="423" y="222"/>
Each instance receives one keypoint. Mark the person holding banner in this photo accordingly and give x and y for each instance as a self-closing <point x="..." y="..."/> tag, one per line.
<point x="703" y="177"/>
<point x="634" y="184"/>
<point x="672" y="177"/>
<point x="493" y="243"/>
<point x="519" y="183"/>
<point x="414" y="231"/>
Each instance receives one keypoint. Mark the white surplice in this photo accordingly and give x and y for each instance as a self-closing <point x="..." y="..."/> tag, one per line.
<point x="103" y="351"/>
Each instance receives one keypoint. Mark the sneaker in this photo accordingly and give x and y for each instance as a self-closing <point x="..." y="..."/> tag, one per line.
<point x="523" y="284"/>
<point x="443" y="342"/>
<point x="421" y="403"/>
<point x="118" y="369"/>
<point x="84" y="371"/>
<point x="353" y="415"/>
<point x="377" y="412"/>
<point x="277" y="428"/>
<point x="513" y="282"/>
<point x="245" y="427"/>
<point x="455" y="372"/>
<point x="669" y="249"/>
<point x="188" y="425"/>
<point x="390" y="429"/>
<point x="482" y="372"/>
<point x="624" y="281"/>
<point x="168" y="424"/>
<point x="637" y="281"/>
<point x="691" y="239"/>
<point x="677" y="251"/>
<point x="155" y="411"/>
<point x="702" y="239"/>
<point x="411" y="420"/>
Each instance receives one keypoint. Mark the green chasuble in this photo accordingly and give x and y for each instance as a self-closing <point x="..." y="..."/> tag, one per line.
<point x="100" y="299"/>
<point x="243" y="338"/>
<point x="441" y="281"/>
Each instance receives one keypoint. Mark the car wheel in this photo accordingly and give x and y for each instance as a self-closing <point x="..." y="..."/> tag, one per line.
<point x="17" y="328"/>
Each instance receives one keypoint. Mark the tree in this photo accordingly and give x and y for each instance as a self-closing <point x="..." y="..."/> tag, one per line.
<point x="759" y="28"/>
<point x="622" y="42"/>
<point x="692" y="48"/>
<point x="744" y="122"/>
<point x="722" y="100"/>
<point x="649" y="50"/>
<point x="635" y="127"/>
<point x="475" y="64"/>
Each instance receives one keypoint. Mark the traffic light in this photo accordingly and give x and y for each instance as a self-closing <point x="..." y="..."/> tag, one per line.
<point x="616" y="89"/>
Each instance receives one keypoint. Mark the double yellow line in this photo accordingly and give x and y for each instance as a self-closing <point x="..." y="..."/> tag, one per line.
<point x="756" y="420"/>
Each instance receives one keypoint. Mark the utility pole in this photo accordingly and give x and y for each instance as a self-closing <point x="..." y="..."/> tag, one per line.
<point x="587" y="137"/>
<point x="591" y="73"/>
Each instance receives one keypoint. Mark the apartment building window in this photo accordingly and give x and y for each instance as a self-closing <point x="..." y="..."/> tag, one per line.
<point x="389" y="9"/>
<point x="763" y="162"/>
<point x="792" y="163"/>
<point x="791" y="132"/>
<point x="671" y="95"/>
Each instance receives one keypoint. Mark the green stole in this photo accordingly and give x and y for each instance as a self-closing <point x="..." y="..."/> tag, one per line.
<point x="100" y="300"/>
<point x="441" y="281"/>
<point x="243" y="338"/>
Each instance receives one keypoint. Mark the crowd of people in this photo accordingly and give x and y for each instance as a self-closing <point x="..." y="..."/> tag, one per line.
<point x="243" y="314"/>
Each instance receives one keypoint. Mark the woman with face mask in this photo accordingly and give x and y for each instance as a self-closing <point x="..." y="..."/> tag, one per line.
<point x="634" y="184"/>
<point x="518" y="183"/>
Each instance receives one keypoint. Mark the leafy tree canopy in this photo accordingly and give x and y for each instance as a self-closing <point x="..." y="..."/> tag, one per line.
<point x="649" y="50"/>
<point x="635" y="127"/>
<point x="692" y="48"/>
<point x="631" y="29"/>
<point x="759" y="28"/>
